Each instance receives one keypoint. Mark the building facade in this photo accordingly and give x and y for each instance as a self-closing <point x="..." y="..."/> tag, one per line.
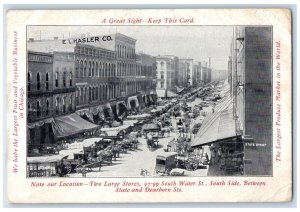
<point x="98" y="76"/>
<point x="186" y="72"/>
<point x="51" y="93"/>
<point x="197" y="73"/>
<point x="250" y="67"/>
<point x="165" y="72"/>
<point x="63" y="83"/>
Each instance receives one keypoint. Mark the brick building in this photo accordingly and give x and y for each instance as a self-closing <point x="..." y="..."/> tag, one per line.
<point x="251" y="85"/>
<point x="51" y="92"/>
<point x="109" y="79"/>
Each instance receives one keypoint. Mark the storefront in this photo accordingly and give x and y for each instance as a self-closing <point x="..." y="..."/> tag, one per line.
<point x="218" y="138"/>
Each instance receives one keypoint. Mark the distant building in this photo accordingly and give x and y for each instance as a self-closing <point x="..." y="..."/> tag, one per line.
<point x="165" y="72"/>
<point x="197" y="73"/>
<point x="186" y="72"/>
<point x="206" y="74"/>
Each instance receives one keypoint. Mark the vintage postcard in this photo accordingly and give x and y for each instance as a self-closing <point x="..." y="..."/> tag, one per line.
<point x="148" y="106"/>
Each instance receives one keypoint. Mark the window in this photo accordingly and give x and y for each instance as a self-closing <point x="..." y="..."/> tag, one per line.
<point x="90" y="68"/>
<point x="47" y="81"/>
<point x="70" y="103"/>
<point x="38" y="81"/>
<point x="64" y="104"/>
<point x="161" y="84"/>
<point x="93" y="72"/>
<point x="84" y="68"/>
<point x="81" y="69"/>
<point x="38" y="113"/>
<point x="47" y="107"/>
<point x="64" y="79"/>
<point x="29" y="81"/>
<point x="71" y="84"/>
<point x="57" y="105"/>
<point x="162" y="75"/>
<point x="56" y="79"/>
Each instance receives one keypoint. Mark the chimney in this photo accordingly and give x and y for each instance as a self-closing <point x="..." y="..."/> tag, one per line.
<point x="209" y="62"/>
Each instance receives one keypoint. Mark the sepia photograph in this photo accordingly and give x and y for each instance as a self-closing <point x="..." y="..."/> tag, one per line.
<point x="149" y="101"/>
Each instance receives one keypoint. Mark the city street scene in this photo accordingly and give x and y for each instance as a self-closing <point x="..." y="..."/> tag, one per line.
<point x="149" y="101"/>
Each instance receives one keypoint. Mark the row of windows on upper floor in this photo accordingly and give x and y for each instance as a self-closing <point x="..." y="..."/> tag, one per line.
<point x="113" y="70"/>
<point x="125" y="52"/>
<point x="60" y="106"/>
<point x="95" y="52"/>
<point x="36" y="83"/>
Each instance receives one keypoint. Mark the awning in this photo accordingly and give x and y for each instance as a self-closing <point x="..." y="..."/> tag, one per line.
<point x="72" y="124"/>
<point x="86" y="113"/>
<point x="108" y="106"/>
<point x="133" y="98"/>
<point x="161" y="93"/>
<point x="178" y="89"/>
<point x="40" y="123"/>
<point x="216" y="127"/>
<point x="171" y="94"/>
<point x="45" y="159"/>
<point x="118" y="106"/>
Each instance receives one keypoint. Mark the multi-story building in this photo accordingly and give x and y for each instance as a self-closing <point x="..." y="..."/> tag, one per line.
<point x="63" y="83"/>
<point x="107" y="74"/>
<point x="186" y="72"/>
<point x="40" y="96"/>
<point x="51" y="92"/>
<point x="205" y="73"/>
<point x="148" y="67"/>
<point x="251" y="85"/>
<point x="165" y="72"/>
<point x="197" y="73"/>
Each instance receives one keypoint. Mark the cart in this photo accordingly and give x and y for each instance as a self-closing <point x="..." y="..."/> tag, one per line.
<point x="165" y="162"/>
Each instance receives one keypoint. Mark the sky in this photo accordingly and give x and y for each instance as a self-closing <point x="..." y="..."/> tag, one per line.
<point x="197" y="42"/>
